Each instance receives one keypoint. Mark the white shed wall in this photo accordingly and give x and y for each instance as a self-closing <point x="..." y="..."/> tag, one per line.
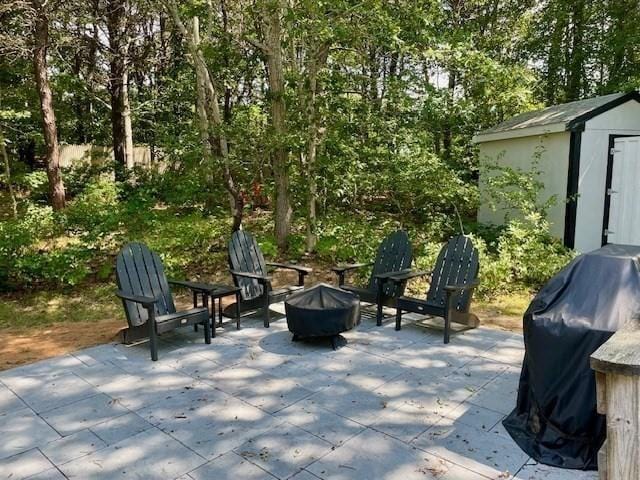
<point x="622" y="120"/>
<point x="519" y="153"/>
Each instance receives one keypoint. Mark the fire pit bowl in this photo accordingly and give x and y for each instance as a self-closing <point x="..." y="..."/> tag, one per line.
<point x="322" y="311"/>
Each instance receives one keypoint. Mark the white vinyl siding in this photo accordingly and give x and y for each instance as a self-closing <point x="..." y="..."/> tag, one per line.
<point x="518" y="153"/>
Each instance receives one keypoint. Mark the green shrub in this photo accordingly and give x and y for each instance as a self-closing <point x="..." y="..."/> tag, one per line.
<point x="18" y="237"/>
<point x="78" y="177"/>
<point x="95" y="216"/>
<point x="522" y="253"/>
<point x="60" y="267"/>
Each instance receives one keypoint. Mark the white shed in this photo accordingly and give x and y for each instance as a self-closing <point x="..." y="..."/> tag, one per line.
<point x="590" y="158"/>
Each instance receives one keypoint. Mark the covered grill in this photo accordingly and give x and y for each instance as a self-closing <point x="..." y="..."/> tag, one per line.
<point x="555" y="420"/>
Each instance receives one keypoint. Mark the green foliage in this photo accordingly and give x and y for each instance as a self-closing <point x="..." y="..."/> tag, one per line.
<point x="523" y="253"/>
<point x="95" y="212"/>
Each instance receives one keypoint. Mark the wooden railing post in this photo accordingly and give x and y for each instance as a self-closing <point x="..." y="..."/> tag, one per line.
<point x="617" y="366"/>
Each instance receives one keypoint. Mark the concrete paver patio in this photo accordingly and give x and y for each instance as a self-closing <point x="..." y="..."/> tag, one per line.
<point x="254" y="405"/>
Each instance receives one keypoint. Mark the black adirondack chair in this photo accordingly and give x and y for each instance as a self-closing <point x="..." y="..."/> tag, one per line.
<point x="452" y="282"/>
<point x="394" y="257"/>
<point x="250" y="273"/>
<point x="147" y="299"/>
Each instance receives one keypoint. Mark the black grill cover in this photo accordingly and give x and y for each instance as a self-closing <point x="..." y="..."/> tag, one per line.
<point x="322" y="311"/>
<point x="555" y="420"/>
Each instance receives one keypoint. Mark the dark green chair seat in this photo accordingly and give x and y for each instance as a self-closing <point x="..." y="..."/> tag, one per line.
<point x="394" y="257"/>
<point x="147" y="299"/>
<point x="171" y="321"/>
<point x="451" y="287"/>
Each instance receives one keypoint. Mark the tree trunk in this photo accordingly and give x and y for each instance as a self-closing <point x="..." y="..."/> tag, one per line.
<point x="201" y="99"/>
<point x="317" y="61"/>
<point x="210" y="119"/>
<point x="41" y="31"/>
<point x="446" y="131"/>
<point x="118" y="88"/>
<point x="275" y="69"/>
<point x="576" y="62"/>
<point x="7" y="174"/>
<point x="129" y="160"/>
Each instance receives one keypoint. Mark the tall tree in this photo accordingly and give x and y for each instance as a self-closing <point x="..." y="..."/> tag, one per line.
<point x="210" y="119"/>
<point x="49" y="127"/>
<point x="116" y="15"/>
<point x="271" y="26"/>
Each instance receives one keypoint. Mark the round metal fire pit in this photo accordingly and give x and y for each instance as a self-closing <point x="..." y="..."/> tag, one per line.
<point x="322" y="311"/>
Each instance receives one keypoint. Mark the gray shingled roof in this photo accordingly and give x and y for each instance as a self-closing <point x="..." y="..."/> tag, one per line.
<point x="564" y="113"/>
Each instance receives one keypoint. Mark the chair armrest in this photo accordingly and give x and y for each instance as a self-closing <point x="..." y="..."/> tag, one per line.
<point x="145" y="301"/>
<point x="460" y="288"/>
<point x="350" y="266"/>
<point x="255" y="276"/>
<point x="387" y="275"/>
<point x="289" y="266"/>
<point x="195" y="286"/>
<point x="408" y="275"/>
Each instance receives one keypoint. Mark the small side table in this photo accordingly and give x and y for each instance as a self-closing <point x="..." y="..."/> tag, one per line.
<point x="215" y="291"/>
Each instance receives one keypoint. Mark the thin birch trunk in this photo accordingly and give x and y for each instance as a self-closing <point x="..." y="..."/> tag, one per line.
<point x="7" y="174"/>
<point x="210" y="116"/>
<point x="316" y="63"/>
<point x="129" y="159"/>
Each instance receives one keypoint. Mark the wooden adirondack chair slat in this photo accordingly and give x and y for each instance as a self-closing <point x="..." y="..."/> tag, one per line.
<point x="139" y="314"/>
<point x="139" y="272"/>
<point x="246" y="256"/>
<point x="457" y="265"/>
<point x="394" y="254"/>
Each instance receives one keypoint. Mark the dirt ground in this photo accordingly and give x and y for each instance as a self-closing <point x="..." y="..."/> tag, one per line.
<point x="20" y="346"/>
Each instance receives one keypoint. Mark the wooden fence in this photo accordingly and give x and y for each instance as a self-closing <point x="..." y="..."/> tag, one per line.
<point x="74" y="155"/>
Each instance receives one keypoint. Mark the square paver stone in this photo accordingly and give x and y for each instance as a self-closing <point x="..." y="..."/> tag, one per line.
<point x="43" y="393"/>
<point x="51" y="474"/>
<point x="24" y="465"/>
<point x="135" y="392"/>
<point x="322" y="423"/>
<point x="23" y="430"/>
<point x="74" y="446"/>
<point x="83" y="414"/>
<point x="208" y="421"/>
<point x="500" y="394"/>
<point x="9" y="401"/>
<point x="488" y="453"/>
<point x="543" y="472"/>
<point x="357" y="404"/>
<point x="231" y="466"/>
<point x="272" y="393"/>
<point x="283" y="451"/>
<point x="469" y="414"/>
<point x="150" y="454"/>
<point x="51" y="367"/>
<point x="117" y="429"/>
<point x="373" y="455"/>
<point x="304" y="475"/>
<point x="405" y="422"/>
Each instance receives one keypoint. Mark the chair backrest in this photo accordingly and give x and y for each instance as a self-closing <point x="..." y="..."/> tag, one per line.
<point x="457" y="264"/>
<point x="139" y="271"/>
<point x="245" y="256"/>
<point x="394" y="254"/>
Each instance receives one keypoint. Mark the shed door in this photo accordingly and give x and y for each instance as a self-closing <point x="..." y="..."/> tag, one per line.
<point x="624" y="194"/>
